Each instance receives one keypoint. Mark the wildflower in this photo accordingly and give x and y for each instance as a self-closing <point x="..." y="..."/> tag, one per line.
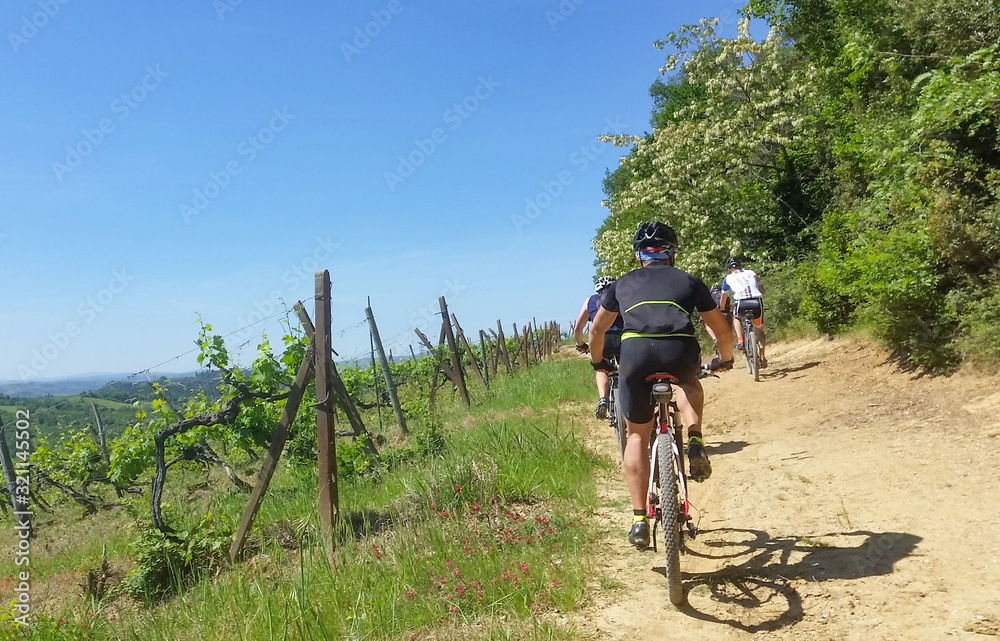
<point x="378" y="555"/>
<point x="475" y="507"/>
<point x="479" y="593"/>
<point x="457" y="489"/>
<point x="505" y="575"/>
<point x="447" y="597"/>
<point x="456" y="572"/>
<point x="444" y="513"/>
<point x="555" y="583"/>
<point x="409" y="593"/>
<point x="62" y="621"/>
<point x="452" y="609"/>
<point x="447" y="563"/>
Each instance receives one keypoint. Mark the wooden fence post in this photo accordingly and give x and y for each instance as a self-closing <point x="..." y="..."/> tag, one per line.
<point x="390" y="386"/>
<point x="325" y="422"/>
<point x="456" y="361"/>
<point x="468" y="350"/>
<point x="486" y="356"/>
<point x="338" y="387"/>
<point x="503" y="348"/>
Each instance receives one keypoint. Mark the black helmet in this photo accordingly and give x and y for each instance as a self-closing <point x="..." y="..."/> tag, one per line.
<point x="715" y="289"/>
<point x="602" y="282"/>
<point x="654" y="236"/>
<point x="732" y="263"/>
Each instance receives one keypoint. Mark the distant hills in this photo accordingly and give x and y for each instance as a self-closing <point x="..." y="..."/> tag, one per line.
<point x="71" y="385"/>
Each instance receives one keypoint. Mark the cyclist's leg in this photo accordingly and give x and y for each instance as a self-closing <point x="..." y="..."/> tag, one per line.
<point x="738" y="324"/>
<point x="601" y="378"/>
<point x="635" y="401"/>
<point x="635" y="462"/>
<point x="691" y="403"/>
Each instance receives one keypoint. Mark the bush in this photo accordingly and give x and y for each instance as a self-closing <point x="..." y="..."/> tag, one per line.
<point x="164" y="565"/>
<point x="980" y="331"/>
<point x="787" y="285"/>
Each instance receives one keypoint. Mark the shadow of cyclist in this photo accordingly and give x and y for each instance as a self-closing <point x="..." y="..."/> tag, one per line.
<point x="755" y="590"/>
<point x="729" y="447"/>
<point x="775" y="373"/>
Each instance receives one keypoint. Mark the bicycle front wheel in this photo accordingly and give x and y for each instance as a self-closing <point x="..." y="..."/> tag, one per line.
<point x="670" y="511"/>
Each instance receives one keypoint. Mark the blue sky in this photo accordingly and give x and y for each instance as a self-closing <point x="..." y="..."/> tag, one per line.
<point x="162" y="161"/>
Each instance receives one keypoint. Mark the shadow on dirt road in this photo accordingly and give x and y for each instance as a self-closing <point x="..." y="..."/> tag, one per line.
<point x="756" y="592"/>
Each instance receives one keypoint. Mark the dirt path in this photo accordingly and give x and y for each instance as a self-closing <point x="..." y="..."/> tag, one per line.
<point x="848" y="501"/>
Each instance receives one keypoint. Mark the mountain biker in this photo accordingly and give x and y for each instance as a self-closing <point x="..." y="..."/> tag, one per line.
<point x="655" y="302"/>
<point x="747" y="293"/>
<point x="612" y="342"/>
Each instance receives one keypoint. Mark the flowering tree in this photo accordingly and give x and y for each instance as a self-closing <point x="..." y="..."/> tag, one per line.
<point x="720" y="169"/>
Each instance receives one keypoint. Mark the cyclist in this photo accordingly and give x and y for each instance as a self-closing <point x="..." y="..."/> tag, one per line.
<point x="747" y="293"/>
<point x="655" y="302"/>
<point x="612" y="342"/>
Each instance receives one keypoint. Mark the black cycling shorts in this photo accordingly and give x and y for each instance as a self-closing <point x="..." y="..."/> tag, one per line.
<point x="612" y="345"/>
<point x="641" y="357"/>
<point x="751" y="305"/>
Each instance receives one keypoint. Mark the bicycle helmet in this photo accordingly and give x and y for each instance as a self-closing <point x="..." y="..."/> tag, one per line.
<point x="654" y="237"/>
<point x="602" y="282"/>
<point x="732" y="263"/>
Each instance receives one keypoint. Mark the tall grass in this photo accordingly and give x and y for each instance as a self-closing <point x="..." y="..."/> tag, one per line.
<point x="481" y="539"/>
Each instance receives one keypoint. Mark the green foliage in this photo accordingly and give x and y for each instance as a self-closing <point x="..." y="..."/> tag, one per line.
<point x="854" y="154"/>
<point x="165" y="565"/>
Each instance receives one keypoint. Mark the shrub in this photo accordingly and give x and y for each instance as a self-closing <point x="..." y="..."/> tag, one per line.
<point x="164" y="564"/>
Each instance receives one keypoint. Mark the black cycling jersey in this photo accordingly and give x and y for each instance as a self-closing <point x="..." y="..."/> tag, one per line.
<point x="656" y="301"/>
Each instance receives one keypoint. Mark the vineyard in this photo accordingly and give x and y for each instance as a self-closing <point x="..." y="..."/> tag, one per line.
<point x="120" y="550"/>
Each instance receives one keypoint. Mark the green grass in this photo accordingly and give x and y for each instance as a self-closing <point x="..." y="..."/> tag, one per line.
<point x="480" y="540"/>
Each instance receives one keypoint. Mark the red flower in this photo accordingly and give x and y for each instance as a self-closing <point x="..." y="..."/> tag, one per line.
<point x="62" y="621"/>
<point x="444" y="513"/>
<point x="475" y="507"/>
<point x="457" y="489"/>
<point x="378" y="555"/>
<point x="409" y="594"/>
<point x="555" y="583"/>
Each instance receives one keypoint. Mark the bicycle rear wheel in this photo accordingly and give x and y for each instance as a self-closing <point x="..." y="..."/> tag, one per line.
<point x="753" y="354"/>
<point x="670" y="518"/>
<point x="618" y="419"/>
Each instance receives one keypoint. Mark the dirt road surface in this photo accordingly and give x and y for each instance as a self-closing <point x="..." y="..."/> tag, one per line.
<point x="849" y="500"/>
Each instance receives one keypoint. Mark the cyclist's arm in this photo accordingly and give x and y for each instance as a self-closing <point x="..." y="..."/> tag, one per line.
<point x="714" y="319"/>
<point x="602" y="321"/>
<point x="581" y="320"/>
<point x="723" y="299"/>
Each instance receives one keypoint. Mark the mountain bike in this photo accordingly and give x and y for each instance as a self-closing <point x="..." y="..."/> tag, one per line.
<point x="615" y="416"/>
<point x="667" y="498"/>
<point x="751" y="348"/>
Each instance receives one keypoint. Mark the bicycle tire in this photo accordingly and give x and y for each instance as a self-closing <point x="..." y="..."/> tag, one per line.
<point x="753" y="354"/>
<point x="669" y="513"/>
<point x="618" y="419"/>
